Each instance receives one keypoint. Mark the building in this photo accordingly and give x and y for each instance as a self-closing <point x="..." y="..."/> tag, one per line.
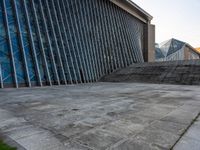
<point x="198" y="49"/>
<point x="174" y="49"/>
<point x="159" y="54"/>
<point x="53" y="42"/>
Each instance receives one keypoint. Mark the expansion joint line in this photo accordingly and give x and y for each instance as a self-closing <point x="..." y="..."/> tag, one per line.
<point x="185" y="131"/>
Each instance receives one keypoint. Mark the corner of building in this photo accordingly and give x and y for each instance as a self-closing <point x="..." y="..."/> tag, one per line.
<point x="151" y="43"/>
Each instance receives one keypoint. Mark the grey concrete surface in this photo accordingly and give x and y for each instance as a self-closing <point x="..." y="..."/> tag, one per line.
<point x="191" y="139"/>
<point x="100" y="116"/>
<point x="185" y="72"/>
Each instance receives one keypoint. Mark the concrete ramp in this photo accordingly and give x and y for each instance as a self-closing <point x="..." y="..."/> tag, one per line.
<point x="173" y="72"/>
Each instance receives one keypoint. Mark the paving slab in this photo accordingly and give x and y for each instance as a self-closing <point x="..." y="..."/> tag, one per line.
<point x="158" y="138"/>
<point x="134" y="144"/>
<point x="187" y="143"/>
<point x="98" y="116"/>
<point x="191" y="138"/>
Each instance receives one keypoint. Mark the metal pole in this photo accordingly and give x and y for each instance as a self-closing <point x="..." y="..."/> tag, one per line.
<point x="89" y="43"/>
<point x="111" y="41"/>
<point x="104" y="42"/>
<point x="120" y="36"/>
<point x="32" y="43"/>
<point x="77" y="40"/>
<point x="10" y="43"/>
<point x="113" y="32"/>
<point x="49" y="43"/>
<point x="94" y="39"/>
<point x="40" y="42"/>
<point x="82" y="38"/>
<point x="56" y="43"/>
<point x="71" y="33"/>
<point x="67" y="43"/>
<point x="99" y="40"/>
<point x="105" y="36"/>
<point x="1" y="78"/>
<point x="21" y="42"/>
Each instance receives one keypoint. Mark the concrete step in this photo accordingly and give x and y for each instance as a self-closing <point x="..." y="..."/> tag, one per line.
<point x="172" y="72"/>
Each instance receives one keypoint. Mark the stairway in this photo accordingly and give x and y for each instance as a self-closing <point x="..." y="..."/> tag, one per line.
<point x="171" y="72"/>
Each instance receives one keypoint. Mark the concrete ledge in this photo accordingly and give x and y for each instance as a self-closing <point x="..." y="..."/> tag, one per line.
<point x="174" y="72"/>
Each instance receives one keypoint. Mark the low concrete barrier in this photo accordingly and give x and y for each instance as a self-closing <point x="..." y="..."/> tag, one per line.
<point x="171" y="72"/>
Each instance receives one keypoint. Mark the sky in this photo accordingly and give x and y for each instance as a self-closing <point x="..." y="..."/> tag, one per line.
<point x="178" y="19"/>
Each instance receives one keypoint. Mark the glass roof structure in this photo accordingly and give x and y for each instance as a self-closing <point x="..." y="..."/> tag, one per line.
<point x="171" y="47"/>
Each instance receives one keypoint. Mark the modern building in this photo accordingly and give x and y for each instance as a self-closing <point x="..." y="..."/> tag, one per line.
<point x="174" y="49"/>
<point x="53" y="42"/>
<point x="198" y="49"/>
<point x="159" y="56"/>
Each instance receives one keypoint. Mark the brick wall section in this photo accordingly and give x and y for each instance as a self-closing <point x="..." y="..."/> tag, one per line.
<point x="172" y="72"/>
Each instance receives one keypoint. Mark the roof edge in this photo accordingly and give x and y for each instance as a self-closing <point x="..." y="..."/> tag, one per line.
<point x="133" y="9"/>
<point x="188" y="45"/>
<point x="194" y="49"/>
<point x="185" y="44"/>
<point x="140" y="9"/>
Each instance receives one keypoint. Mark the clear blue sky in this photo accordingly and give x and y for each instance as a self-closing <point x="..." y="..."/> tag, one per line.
<point x="174" y="19"/>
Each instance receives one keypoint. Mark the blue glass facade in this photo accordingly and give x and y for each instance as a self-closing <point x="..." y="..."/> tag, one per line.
<point x="53" y="42"/>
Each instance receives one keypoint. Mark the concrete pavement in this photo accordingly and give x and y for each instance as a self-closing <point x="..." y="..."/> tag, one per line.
<point x="191" y="139"/>
<point x="100" y="116"/>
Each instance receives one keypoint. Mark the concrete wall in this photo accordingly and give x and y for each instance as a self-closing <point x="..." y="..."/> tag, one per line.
<point x="151" y="43"/>
<point x="168" y="72"/>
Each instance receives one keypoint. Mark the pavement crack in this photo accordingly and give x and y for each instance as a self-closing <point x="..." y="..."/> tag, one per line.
<point x="184" y="132"/>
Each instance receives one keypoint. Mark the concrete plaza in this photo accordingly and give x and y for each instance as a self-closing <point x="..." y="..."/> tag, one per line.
<point x="100" y="116"/>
